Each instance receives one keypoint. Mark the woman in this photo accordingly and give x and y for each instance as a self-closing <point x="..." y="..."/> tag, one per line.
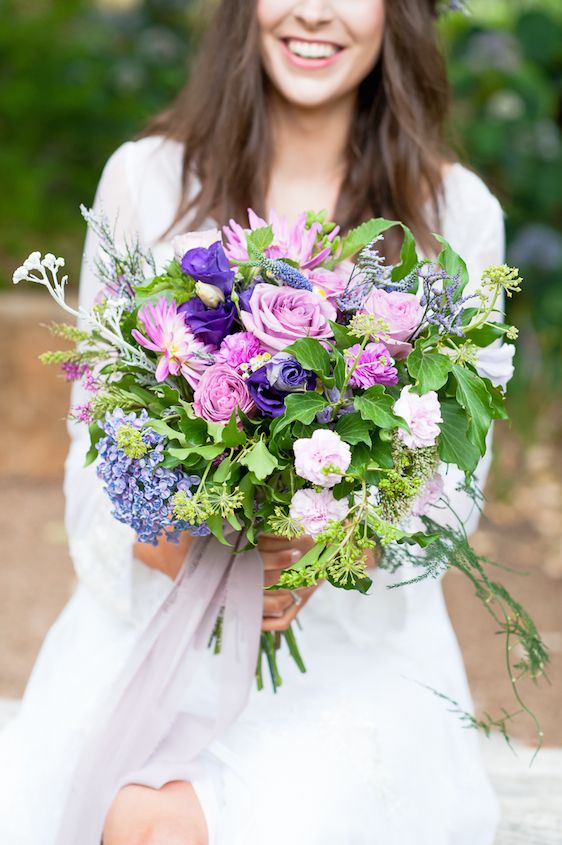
<point x="334" y="104"/>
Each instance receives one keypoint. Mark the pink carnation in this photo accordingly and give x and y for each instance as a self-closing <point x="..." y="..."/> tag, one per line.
<point x="428" y="495"/>
<point x="401" y="312"/>
<point x="315" y="454"/>
<point x="280" y="315"/>
<point x="238" y="349"/>
<point x="375" y="366"/>
<point x="423" y="415"/>
<point x="220" y="392"/>
<point x="316" y="510"/>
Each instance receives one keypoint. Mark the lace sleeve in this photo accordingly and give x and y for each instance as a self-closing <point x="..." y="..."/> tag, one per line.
<point x="100" y="547"/>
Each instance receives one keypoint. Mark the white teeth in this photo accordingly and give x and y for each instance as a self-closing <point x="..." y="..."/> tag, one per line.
<point x="312" y="50"/>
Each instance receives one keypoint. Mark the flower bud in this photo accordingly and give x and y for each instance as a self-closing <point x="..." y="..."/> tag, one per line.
<point x="210" y="295"/>
<point x="192" y="240"/>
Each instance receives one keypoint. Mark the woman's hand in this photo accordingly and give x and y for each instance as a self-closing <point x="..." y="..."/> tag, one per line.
<point x="165" y="557"/>
<point x="279" y="606"/>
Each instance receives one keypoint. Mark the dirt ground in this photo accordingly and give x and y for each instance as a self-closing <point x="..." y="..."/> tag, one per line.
<point x="521" y="529"/>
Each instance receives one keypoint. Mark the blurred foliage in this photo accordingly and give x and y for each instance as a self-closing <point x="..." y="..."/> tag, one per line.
<point x="78" y="77"/>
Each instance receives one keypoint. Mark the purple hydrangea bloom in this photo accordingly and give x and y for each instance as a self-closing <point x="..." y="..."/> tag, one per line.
<point x="209" y="265"/>
<point x="141" y="489"/>
<point x="211" y="325"/>
<point x="375" y="366"/>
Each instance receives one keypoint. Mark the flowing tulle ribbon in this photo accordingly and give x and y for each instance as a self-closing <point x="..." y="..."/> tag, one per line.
<point x="155" y="695"/>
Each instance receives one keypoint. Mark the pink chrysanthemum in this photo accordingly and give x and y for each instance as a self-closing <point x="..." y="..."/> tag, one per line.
<point x="294" y="241"/>
<point x="170" y="337"/>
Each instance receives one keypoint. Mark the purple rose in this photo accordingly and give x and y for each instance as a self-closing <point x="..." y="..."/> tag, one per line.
<point x="270" y="402"/>
<point x="285" y="373"/>
<point x="374" y="366"/>
<point x="280" y="315"/>
<point x="209" y="265"/>
<point x="211" y="325"/>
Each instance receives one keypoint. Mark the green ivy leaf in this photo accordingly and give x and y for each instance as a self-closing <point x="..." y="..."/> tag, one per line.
<point x="453" y="264"/>
<point x="353" y="429"/>
<point x="311" y="355"/>
<point x="233" y="434"/>
<point x="299" y="406"/>
<point x="474" y="397"/>
<point x="96" y="434"/>
<point x="342" y="336"/>
<point x="366" y="233"/>
<point x="429" y="369"/>
<point x="194" y="431"/>
<point x="216" y="524"/>
<point x="259" y="460"/>
<point x="208" y="453"/>
<point x="454" y="444"/>
<point x="377" y="406"/>
<point x="487" y="333"/>
<point x="223" y="471"/>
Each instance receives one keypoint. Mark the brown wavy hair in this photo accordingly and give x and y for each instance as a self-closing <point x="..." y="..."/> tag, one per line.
<point x="395" y="152"/>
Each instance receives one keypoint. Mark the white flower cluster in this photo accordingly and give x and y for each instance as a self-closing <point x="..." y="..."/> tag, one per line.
<point x="45" y="271"/>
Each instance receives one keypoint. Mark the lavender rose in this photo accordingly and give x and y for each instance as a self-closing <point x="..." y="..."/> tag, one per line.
<point x="401" y="312"/>
<point x="209" y="265"/>
<point x="220" y="392"/>
<point x="280" y="315"/>
<point x="285" y="373"/>
<point x="211" y="325"/>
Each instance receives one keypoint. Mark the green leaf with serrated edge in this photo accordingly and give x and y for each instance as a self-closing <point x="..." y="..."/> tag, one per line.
<point x="207" y="453"/>
<point x="259" y="460"/>
<point x="311" y="355"/>
<point x="429" y="369"/>
<point x="353" y="429"/>
<point x="259" y="240"/>
<point x="342" y="336"/>
<point x="299" y="406"/>
<point x="473" y="395"/>
<point x="454" y="445"/>
<point x="453" y="264"/>
<point x="162" y="427"/>
<point x="377" y="406"/>
<point x="216" y="525"/>
<point x="233" y="434"/>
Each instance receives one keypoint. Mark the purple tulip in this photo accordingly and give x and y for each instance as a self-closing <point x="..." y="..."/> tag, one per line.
<point x="211" y="325"/>
<point x="209" y="265"/>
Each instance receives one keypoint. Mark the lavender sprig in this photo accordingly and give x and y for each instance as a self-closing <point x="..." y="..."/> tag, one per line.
<point x="438" y="298"/>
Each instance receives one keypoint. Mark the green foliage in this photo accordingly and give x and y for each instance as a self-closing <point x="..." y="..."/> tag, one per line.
<point x="429" y="369"/>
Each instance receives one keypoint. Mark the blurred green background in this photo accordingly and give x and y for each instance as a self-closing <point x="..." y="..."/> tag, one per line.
<point x="78" y="77"/>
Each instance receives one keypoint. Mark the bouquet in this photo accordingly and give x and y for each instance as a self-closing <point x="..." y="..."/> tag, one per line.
<point x="286" y="379"/>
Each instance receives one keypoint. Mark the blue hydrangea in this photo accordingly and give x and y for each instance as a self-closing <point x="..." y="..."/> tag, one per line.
<point x="141" y="489"/>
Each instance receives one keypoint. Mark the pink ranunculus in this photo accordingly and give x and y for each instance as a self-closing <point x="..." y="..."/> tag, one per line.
<point x="193" y="240"/>
<point x="401" y="312"/>
<point x="239" y="348"/>
<point x="315" y="454"/>
<point x="330" y="283"/>
<point x="316" y="510"/>
<point x="428" y="495"/>
<point x="220" y="392"/>
<point x="280" y="315"/>
<point x="423" y="415"/>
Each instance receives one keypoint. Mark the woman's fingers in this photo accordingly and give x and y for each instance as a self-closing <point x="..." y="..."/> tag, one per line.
<point x="276" y="603"/>
<point x="281" y="623"/>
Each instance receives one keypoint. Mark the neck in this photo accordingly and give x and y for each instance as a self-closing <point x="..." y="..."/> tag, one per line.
<point x="310" y="144"/>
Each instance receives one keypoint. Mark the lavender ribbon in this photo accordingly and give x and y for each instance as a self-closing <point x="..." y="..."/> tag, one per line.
<point x="154" y="696"/>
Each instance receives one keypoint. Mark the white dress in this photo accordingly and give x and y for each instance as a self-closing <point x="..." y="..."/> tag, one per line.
<point x="355" y="752"/>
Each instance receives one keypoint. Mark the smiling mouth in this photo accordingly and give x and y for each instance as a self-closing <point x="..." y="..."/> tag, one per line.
<point x="312" y="50"/>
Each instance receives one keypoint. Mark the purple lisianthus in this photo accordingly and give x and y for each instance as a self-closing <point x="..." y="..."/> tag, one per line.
<point x="211" y="325"/>
<point x="209" y="265"/>
<point x="269" y="400"/>
<point x="244" y="296"/>
<point x="375" y="366"/>
<point x="286" y="374"/>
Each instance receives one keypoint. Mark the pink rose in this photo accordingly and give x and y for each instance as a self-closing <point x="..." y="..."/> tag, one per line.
<point x="428" y="495"/>
<point x="192" y="240"/>
<point x="331" y="283"/>
<point x="280" y="315"/>
<point x="315" y="454"/>
<point x="316" y="510"/>
<point x="401" y="312"/>
<point x="220" y="391"/>
<point x="423" y="415"/>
